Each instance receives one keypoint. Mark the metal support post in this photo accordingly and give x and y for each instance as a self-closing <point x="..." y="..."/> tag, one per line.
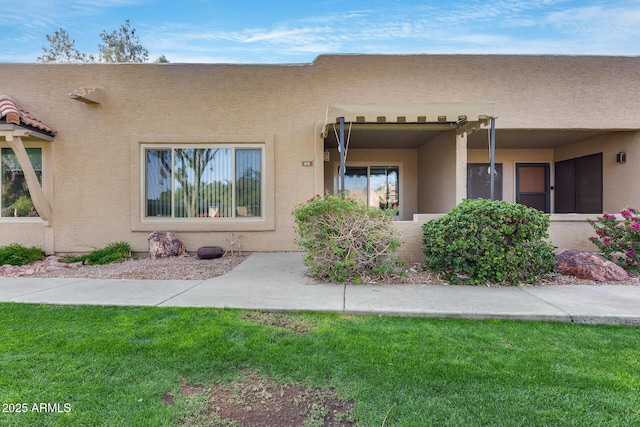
<point x="492" y="157"/>
<point x="342" y="171"/>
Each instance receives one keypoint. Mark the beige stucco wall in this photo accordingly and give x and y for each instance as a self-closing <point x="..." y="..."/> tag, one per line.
<point x="572" y="231"/>
<point x="530" y="92"/>
<point x="409" y="233"/>
<point x="31" y="233"/>
<point x="437" y="174"/>
<point x="94" y="179"/>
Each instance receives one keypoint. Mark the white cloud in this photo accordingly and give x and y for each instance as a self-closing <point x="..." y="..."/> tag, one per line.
<point x="284" y="36"/>
<point x="473" y="26"/>
<point x="602" y="19"/>
<point x="476" y="26"/>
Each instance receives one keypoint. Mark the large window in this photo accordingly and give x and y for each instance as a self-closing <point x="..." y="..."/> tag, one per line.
<point x="204" y="182"/>
<point x="377" y="186"/>
<point x="15" y="200"/>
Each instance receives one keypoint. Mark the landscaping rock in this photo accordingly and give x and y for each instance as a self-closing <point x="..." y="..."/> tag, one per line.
<point x="163" y="244"/>
<point x="39" y="267"/>
<point x="586" y="265"/>
<point x="210" y="252"/>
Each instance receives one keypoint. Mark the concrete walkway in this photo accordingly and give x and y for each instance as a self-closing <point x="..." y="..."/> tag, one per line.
<point x="276" y="282"/>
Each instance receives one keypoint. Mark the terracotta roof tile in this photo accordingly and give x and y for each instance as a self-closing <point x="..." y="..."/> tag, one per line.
<point x="13" y="113"/>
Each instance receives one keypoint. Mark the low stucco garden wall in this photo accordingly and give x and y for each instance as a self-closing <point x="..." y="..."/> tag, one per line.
<point x="566" y="231"/>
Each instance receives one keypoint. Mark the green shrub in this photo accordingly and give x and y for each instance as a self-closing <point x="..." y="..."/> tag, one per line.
<point x="113" y="252"/>
<point x="344" y="240"/>
<point x="619" y="240"/>
<point x="482" y="241"/>
<point x="16" y="254"/>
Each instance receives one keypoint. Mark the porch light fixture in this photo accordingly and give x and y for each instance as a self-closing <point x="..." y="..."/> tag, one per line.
<point x="621" y="157"/>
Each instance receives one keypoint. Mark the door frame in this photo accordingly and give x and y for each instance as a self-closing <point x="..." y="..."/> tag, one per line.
<point x="547" y="184"/>
<point x="368" y="164"/>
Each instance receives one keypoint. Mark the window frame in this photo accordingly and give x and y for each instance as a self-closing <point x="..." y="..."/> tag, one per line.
<point x="234" y="148"/>
<point x="375" y="164"/>
<point x="44" y="178"/>
<point x="139" y="222"/>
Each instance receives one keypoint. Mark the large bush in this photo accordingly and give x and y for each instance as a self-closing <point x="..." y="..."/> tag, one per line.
<point x="482" y="241"/>
<point x="344" y="240"/>
<point x="619" y="240"/>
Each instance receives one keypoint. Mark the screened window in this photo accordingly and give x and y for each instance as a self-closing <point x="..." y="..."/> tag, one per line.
<point x="16" y="200"/>
<point x="209" y="182"/>
<point x="479" y="181"/>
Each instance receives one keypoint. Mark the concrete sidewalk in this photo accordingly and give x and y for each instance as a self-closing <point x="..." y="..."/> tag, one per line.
<point x="276" y="282"/>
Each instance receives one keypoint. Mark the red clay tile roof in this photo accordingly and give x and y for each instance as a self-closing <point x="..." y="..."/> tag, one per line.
<point x="11" y="112"/>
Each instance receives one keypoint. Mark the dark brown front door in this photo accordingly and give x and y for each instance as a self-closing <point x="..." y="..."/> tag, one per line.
<point x="532" y="185"/>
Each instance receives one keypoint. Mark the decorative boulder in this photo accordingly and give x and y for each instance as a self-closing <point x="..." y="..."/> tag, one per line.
<point x="586" y="265"/>
<point x="210" y="252"/>
<point x="163" y="244"/>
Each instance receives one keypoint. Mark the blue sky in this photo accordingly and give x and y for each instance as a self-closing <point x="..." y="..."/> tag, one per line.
<point x="238" y="31"/>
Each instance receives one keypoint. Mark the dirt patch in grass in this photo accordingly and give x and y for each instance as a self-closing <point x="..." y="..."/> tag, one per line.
<point x="260" y="402"/>
<point x="293" y="323"/>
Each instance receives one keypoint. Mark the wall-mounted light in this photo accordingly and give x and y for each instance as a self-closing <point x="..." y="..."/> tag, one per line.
<point x="621" y="157"/>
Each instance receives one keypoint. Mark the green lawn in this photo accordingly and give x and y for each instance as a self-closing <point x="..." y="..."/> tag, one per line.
<point x="112" y="366"/>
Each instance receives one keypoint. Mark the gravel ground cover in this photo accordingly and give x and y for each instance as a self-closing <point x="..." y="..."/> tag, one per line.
<point x="192" y="268"/>
<point x="172" y="268"/>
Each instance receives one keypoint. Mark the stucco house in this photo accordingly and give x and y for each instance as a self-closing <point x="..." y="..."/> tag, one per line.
<point x="97" y="153"/>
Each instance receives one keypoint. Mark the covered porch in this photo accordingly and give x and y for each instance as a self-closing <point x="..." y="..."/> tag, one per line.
<point x="411" y="157"/>
<point x="426" y="163"/>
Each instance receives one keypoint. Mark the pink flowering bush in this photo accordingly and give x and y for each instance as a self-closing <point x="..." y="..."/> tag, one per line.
<point x="619" y="240"/>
